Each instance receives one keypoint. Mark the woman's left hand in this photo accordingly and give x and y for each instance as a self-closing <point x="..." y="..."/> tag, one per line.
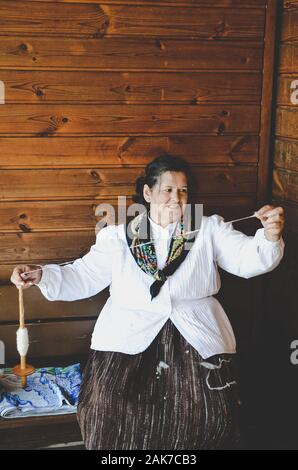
<point x="273" y="221"/>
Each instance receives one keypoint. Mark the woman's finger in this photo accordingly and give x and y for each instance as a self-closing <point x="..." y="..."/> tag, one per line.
<point x="270" y="221"/>
<point x="275" y="218"/>
<point x="16" y="278"/>
<point x="31" y="276"/>
<point x="273" y="230"/>
<point x="276" y="210"/>
<point x="262" y="211"/>
<point x="273" y="226"/>
<point x="269" y="211"/>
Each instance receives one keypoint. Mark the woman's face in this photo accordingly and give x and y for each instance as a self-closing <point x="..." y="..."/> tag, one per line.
<point x="167" y="197"/>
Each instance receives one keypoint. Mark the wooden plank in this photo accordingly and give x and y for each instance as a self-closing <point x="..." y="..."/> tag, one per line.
<point x="205" y="23"/>
<point x="285" y="184"/>
<point x="133" y="119"/>
<point x="52" y="18"/>
<point x="266" y="108"/>
<point x="65" y="152"/>
<point x="33" y="86"/>
<point x="286" y="154"/>
<point x="40" y="432"/>
<point x="229" y="180"/>
<point x="288" y="58"/>
<point x="37" y="307"/>
<point x="128" y="54"/>
<point x="289" y="32"/>
<point x="42" y="216"/>
<point x="48" y="215"/>
<point x="287" y="4"/>
<point x="61" y="338"/>
<point x="229" y="207"/>
<point x="99" y="20"/>
<point x="285" y="90"/>
<point x="83" y="184"/>
<point x="287" y="122"/>
<point x="67" y="183"/>
<point x="199" y="3"/>
<point x="45" y="245"/>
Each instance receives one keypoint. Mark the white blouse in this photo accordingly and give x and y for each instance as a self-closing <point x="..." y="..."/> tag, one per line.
<point x="129" y="320"/>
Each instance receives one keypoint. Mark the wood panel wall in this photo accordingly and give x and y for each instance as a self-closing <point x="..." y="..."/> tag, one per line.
<point x="274" y="399"/>
<point x="94" y="91"/>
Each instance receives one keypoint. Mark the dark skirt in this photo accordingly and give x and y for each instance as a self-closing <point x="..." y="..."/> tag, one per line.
<point x="160" y="399"/>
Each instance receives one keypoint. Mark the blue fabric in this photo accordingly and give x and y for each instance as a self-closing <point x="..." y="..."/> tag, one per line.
<point x="49" y="391"/>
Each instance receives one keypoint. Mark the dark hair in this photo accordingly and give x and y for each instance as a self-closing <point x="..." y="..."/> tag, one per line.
<point x="154" y="170"/>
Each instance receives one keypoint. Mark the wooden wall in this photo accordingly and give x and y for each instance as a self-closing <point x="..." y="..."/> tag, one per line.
<point x="92" y="93"/>
<point x="274" y="407"/>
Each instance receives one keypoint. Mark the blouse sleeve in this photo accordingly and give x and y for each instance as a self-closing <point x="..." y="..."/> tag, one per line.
<point x="243" y="255"/>
<point x="86" y="276"/>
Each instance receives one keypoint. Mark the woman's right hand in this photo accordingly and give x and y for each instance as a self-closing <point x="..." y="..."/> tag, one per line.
<point x="21" y="279"/>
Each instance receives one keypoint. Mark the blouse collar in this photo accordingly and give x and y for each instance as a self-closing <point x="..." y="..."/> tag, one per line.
<point x="163" y="231"/>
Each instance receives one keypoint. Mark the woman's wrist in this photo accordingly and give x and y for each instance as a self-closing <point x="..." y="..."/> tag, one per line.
<point x="272" y="238"/>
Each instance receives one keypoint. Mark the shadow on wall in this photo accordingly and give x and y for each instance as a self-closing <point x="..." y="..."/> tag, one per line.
<point x="265" y="325"/>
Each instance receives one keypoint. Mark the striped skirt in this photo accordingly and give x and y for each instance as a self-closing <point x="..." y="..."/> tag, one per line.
<point x="161" y="399"/>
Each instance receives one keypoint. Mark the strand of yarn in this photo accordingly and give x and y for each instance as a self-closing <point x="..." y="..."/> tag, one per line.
<point x="146" y="243"/>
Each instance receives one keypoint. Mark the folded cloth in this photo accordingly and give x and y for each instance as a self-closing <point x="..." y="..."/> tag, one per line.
<point x="49" y="391"/>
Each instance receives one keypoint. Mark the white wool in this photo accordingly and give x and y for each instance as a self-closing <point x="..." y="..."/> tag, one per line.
<point x="22" y="341"/>
<point x="161" y="365"/>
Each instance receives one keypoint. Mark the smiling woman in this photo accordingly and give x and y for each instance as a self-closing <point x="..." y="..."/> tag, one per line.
<point x="160" y="373"/>
<point x="93" y="92"/>
<point x="167" y="198"/>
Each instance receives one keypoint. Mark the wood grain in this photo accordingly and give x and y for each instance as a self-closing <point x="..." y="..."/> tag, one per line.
<point x="41" y="432"/>
<point x="101" y="20"/>
<point x="128" y="54"/>
<point x="99" y="182"/>
<point x="287" y="122"/>
<point x="37" y="307"/>
<point x="288" y="58"/>
<point x="42" y="87"/>
<point x="106" y="119"/>
<point x="199" y="3"/>
<point x="289" y="31"/>
<point x="45" y="245"/>
<point x="58" y="338"/>
<point x="266" y="107"/>
<point x="285" y="184"/>
<point x="50" y="216"/>
<point x="63" y="152"/>
<point x="286" y="154"/>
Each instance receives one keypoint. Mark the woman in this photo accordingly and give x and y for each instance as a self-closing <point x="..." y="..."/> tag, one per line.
<point x="160" y="370"/>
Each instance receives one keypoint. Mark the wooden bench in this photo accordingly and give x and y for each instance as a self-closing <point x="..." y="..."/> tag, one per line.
<point x="59" y="334"/>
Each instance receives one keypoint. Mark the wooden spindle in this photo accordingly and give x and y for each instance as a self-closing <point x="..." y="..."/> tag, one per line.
<point x="23" y="369"/>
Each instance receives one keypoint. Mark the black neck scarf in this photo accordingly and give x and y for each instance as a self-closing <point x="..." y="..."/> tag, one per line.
<point x="142" y="248"/>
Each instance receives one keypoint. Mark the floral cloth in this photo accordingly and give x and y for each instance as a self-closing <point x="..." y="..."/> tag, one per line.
<point x="49" y="391"/>
<point x="143" y="250"/>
